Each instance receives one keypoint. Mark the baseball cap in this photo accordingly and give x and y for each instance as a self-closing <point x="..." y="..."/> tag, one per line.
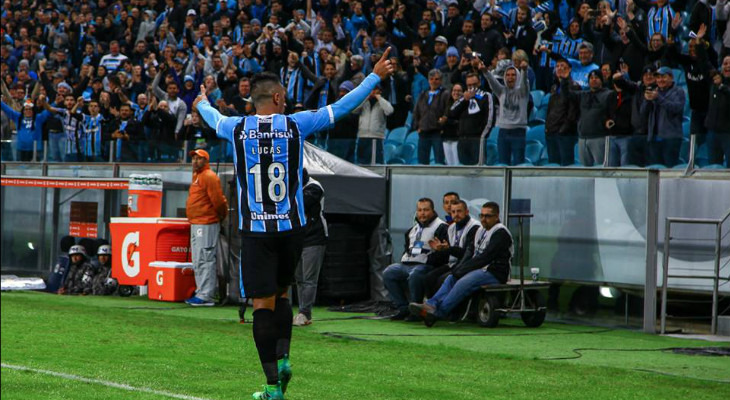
<point x="200" y="153"/>
<point x="192" y="12"/>
<point x="189" y="78"/>
<point x="664" y="71"/>
<point x="347" y="86"/>
<point x="649" y="68"/>
<point x="441" y="39"/>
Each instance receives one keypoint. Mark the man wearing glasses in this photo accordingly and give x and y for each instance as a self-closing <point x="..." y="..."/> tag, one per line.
<point x="486" y="262"/>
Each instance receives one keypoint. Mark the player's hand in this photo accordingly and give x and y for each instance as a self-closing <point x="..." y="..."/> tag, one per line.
<point x="384" y="68"/>
<point x="202" y="96"/>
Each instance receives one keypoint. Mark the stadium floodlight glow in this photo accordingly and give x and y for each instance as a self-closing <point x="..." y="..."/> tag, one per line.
<point x="607" y="292"/>
<point x="30" y="246"/>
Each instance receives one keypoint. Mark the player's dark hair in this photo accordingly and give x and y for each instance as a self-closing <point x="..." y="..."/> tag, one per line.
<point x="263" y="86"/>
<point x="452" y="194"/>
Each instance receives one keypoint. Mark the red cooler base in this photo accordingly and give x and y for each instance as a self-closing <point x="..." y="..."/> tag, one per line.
<point x="171" y="281"/>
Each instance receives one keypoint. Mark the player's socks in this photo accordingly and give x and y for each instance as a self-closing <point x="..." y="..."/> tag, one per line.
<point x="265" y="334"/>
<point x="283" y="316"/>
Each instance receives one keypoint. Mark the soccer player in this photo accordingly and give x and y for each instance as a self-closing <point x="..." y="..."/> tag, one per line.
<point x="268" y="161"/>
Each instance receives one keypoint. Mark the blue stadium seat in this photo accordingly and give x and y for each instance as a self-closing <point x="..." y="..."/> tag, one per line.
<point x="537" y="133"/>
<point x="685" y="129"/>
<point x="533" y="149"/>
<point x="408" y="153"/>
<point x="397" y="161"/>
<point x="537" y="96"/>
<point x="390" y="151"/>
<point x="492" y="153"/>
<point x="533" y="114"/>
<point x="680" y="166"/>
<point x="397" y="136"/>
<point x="412" y="138"/>
<point x="545" y="100"/>
<point x="714" y="166"/>
<point x="409" y="120"/>
<point x="542" y="112"/>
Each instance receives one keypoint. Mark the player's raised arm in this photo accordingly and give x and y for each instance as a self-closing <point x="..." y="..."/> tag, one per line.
<point x="223" y="125"/>
<point x="310" y="122"/>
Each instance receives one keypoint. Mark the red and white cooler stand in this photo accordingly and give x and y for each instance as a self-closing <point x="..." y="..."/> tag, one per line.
<point x="138" y="242"/>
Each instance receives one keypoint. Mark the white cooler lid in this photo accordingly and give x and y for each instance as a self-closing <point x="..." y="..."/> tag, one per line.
<point x="171" y="264"/>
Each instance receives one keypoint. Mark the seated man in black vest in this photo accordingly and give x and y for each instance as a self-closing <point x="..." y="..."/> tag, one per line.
<point x="412" y="269"/>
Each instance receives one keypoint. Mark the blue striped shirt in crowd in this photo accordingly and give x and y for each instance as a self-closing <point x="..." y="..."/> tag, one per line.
<point x="659" y="20"/>
<point x="92" y="135"/>
<point x="73" y="128"/>
<point x="268" y="159"/>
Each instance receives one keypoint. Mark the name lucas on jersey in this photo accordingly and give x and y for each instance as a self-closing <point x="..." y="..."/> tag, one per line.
<point x="266" y="150"/>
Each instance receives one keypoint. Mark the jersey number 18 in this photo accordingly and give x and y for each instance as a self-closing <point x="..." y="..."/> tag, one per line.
<point x="277" y="174"/>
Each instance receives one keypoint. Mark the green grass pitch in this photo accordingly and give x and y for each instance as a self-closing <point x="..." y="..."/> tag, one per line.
<point x="163" y="350"/>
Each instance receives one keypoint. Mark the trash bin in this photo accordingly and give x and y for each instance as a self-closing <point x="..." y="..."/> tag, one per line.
<point x="145" y="196"/>
<point x="171" y="281"/>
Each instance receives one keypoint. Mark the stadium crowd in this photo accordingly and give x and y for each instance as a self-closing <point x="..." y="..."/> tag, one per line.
<point x="541" y="82"/>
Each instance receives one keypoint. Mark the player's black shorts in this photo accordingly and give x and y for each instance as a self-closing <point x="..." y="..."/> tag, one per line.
<point x="269" y="262"/>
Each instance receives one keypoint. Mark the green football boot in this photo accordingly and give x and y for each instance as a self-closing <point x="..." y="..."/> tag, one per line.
<point x="284" y="372"/>
<point x="271" y="392"/>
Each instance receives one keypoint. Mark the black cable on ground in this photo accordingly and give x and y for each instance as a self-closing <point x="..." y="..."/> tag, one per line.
<point x="348" y="335"/>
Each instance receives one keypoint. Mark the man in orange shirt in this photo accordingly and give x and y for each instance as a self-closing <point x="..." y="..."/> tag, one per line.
<point x="206" y="208"/>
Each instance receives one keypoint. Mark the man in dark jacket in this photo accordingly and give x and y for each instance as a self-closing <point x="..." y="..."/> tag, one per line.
<point x="396" y="90"/>
<point x="128" y="134"/>
<point x="315" y="241"/>
<point x="664" y="109"/>
<point x="561" y="120"/>
<point x="487" y="262"/>
<point x="162" y="144"/>
<point x="718" y="117"/>
<point x="638" y="148"/>
<point x="591" y="123"/>
<point x="428" y="118"/>
<point x="697" y="69"/>
<point x="477" y="114"/>
<point x="618" y="123"/>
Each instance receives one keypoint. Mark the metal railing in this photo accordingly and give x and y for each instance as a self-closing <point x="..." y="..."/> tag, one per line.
<point x="716" y="270"/>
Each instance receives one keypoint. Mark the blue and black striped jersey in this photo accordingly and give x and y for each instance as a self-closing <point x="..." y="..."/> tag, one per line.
<point x="268" y="159"/>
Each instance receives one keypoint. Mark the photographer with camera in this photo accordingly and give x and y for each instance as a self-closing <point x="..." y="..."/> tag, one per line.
<point x="664" y="108"/>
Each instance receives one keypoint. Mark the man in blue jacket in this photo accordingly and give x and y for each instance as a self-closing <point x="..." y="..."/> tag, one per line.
<point x="664" y="108"/>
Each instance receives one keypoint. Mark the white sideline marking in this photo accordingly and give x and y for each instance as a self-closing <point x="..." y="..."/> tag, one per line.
<point x="102" y="382"/>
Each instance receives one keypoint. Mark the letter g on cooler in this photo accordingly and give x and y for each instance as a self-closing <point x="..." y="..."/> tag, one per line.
<point x="130" y="254"/>
<point x="158" y="278"/>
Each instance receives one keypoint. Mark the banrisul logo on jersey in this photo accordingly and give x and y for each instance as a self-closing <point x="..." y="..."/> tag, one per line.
<point x="253" y="134"/>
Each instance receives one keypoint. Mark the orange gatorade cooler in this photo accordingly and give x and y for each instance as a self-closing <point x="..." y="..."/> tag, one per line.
<point x="171" y="281"/>
<point x="137" y="242"/>
<point x="145" y="195"/>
